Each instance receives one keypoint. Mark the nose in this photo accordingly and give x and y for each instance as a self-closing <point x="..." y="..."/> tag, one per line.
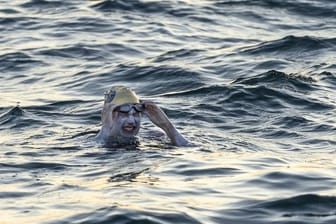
<point x="131" y="119"/>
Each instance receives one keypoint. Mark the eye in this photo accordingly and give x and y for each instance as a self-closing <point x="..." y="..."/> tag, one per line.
<point x="123" y="114"/>
<point x="139" y="107"/>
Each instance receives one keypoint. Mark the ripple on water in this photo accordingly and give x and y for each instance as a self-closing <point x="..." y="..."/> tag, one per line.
<point x="286" y="181"/>
<point x="158" y="79"/>
<point x="118" y="214"/>
<point x="131" y="6"/>
<point x="18" y="61"/>
<point x="36" y="165"/>
<point x="291" y="45"/>
<point x="304" y="208"/>
<point x="252" y="83"/>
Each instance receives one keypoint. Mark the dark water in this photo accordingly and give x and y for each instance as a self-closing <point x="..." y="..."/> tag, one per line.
<point x="252" y="83"/>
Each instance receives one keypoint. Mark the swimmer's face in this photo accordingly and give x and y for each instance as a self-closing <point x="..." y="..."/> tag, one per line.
<point x="126" y="122"/>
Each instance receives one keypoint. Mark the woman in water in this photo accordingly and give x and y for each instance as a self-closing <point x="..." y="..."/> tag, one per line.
<point x="121" y="118"/>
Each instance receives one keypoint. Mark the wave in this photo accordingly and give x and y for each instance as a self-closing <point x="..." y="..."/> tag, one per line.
<point x="14" y="122"/>
<point x="273" y="90"/>
<point x="45" y="4"/>
<point x="304" y="208"/>
<point x="18" y="61"/>
<point x="116" y="214"/>
<point x="15" y="111"/>
<point x="10" y="116"/>
<point x="327" y="78"/>
<point x="16" y="195"/>
<point x="136" y="5"/>
<point x="303" y="8"/>
<point x="307" y="205"/>
<point x="10" y="21"/>
<point x="286" y="180"/>
<point x="46" y="115"/>
<point x="201" y="14"/>
<point x="73" y="51"/>
<point x="290" y="45"/>
<point x="301" y="123"/>
<point x="35" y="165"/>
<point x="157" y="80"/>
<point x="75" y="109"/>
<point x="273" y="77"/>
<point x="83" y="24"/>
<point x="144" y="7"/>
<point x="195" y="172"/>
<point x="8" y="11"/>
<point x="177" y="55"/>
<point x="90" y="53"/>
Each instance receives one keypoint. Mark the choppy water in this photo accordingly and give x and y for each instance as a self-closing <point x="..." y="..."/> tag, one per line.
<point x="252" y="83"/>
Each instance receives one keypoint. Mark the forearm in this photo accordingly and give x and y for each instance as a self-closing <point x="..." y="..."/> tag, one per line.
<point x="159" y="118"/>
<point x="176" y="137"/>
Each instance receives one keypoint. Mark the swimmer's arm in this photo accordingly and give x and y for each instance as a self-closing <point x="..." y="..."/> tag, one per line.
<point x="159" y="118"/>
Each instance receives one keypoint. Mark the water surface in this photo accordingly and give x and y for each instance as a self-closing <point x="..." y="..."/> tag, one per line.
<point x="250" y="83"/>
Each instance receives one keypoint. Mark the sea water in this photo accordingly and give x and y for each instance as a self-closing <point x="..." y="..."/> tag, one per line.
<point x="250" y="83"/>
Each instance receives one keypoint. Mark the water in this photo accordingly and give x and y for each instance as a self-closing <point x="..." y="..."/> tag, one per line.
<point x="251" y="83"/>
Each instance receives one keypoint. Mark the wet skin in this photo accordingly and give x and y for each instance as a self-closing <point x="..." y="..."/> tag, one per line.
<point x="122" y="123"/>
<point x="126" y="124"/>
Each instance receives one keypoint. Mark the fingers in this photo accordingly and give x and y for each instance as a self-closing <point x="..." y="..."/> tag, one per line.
<point x="147" y="102"/>
<point x="150" y="106"/>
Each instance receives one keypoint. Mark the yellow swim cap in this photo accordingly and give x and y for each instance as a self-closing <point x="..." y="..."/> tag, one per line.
<point x="121" y="95"/>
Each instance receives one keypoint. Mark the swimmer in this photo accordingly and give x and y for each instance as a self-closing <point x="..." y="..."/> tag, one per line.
<point x="121" y="118"/>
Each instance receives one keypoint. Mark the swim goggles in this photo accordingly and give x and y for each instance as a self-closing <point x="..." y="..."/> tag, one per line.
<point x="125" y="108"/>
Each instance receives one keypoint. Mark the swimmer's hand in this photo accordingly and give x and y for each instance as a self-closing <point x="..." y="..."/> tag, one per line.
<point x="160" y="119"/>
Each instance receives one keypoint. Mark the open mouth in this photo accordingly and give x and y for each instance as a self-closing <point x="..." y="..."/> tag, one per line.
<point x="129" y="128"/>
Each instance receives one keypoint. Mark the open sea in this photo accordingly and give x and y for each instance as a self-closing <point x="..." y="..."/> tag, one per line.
<point x="252" y="84"/>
